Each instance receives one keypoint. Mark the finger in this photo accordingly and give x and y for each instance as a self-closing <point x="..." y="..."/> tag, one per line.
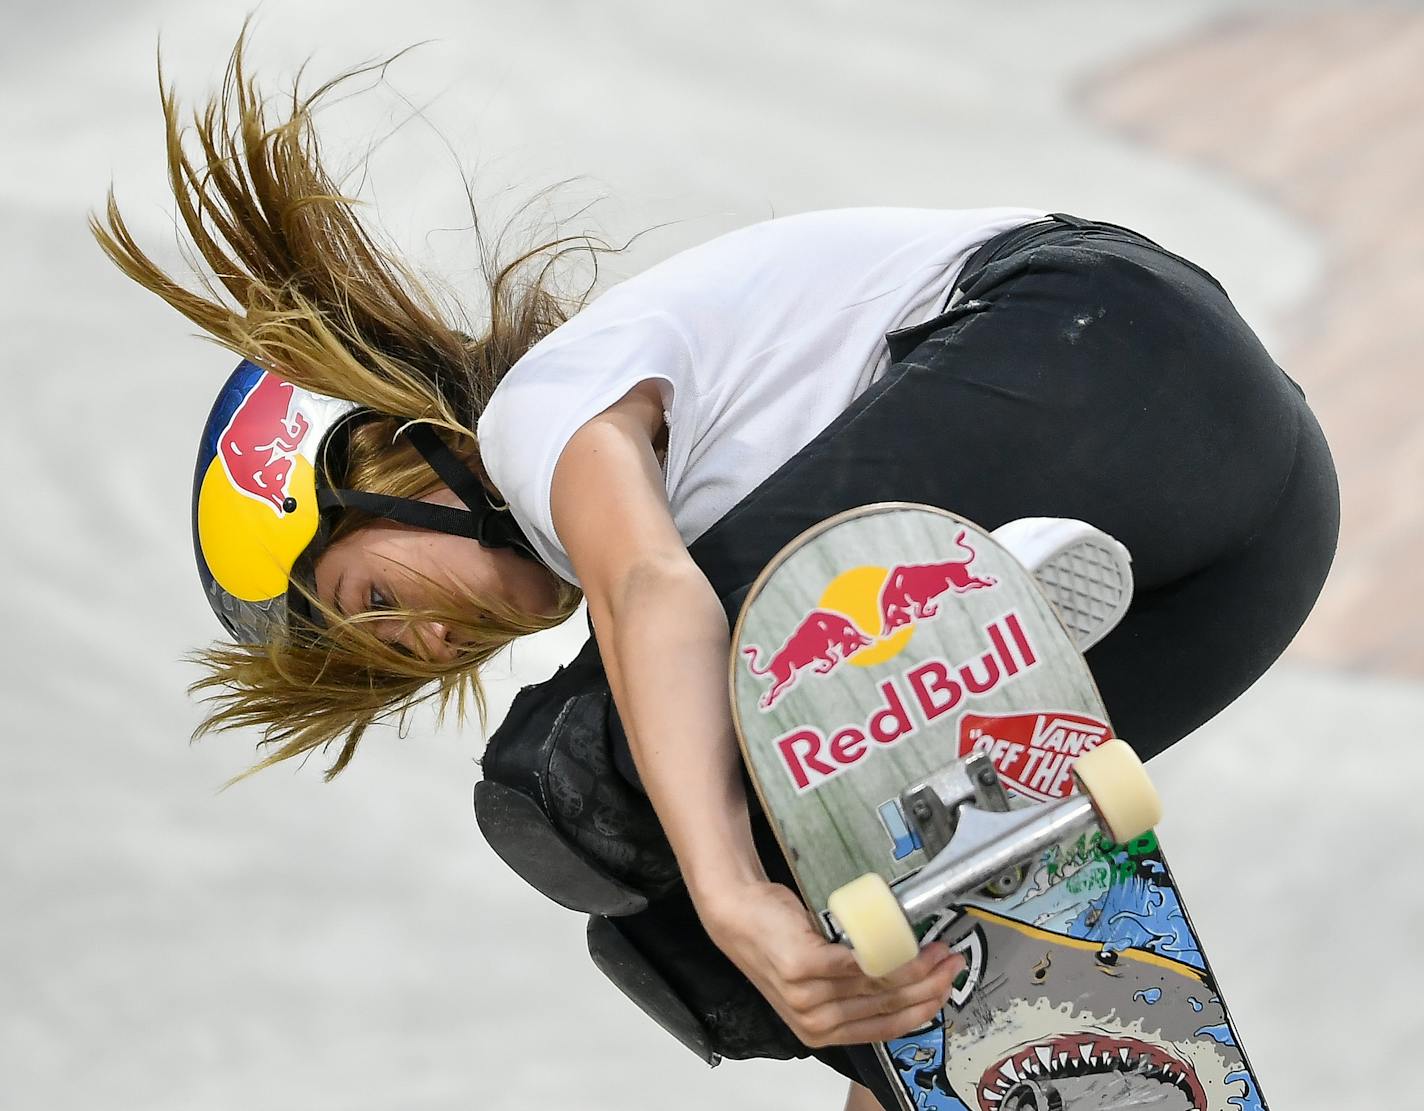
<point x="934" y="988"/>
<point x="837" y="962"/>
<point x="891" y="1021"/>
<point x="821" y="960"/>
<point x="885" y="1028"/>
<point x="929" y="958"/>
<point x="805" y="996"/>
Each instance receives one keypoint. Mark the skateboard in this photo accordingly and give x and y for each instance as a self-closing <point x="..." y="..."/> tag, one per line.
<point x="935" y="760"/>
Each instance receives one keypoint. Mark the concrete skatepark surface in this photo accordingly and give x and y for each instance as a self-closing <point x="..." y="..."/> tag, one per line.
<point x="286" y="944"/>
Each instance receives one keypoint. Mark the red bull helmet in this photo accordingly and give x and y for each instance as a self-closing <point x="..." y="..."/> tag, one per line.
<point x="262" y="506"/>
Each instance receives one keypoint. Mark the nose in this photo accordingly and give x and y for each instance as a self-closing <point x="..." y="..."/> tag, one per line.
<point x="435" y="641"/>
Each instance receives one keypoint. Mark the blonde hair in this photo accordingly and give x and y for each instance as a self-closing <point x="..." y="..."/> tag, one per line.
<point x="295" y="282"/>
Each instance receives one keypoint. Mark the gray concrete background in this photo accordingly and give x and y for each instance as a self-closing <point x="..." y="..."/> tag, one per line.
<point x="291" y="945"/>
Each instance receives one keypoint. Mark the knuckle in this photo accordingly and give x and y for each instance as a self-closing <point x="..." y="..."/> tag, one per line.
<point x="912" y="973"/>
<point x="813" y="1032"/>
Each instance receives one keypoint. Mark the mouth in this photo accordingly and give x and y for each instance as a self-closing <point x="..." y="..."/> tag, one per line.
<point x="1076" y="1058"/>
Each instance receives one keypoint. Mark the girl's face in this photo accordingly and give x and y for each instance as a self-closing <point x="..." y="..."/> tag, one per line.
<point x="387" y="564"/>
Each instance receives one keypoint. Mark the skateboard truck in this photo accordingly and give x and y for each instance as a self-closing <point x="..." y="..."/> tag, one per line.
<point x="974" y="842"/>
<point x="988" y="846"/>
<point x="932" y="809"/>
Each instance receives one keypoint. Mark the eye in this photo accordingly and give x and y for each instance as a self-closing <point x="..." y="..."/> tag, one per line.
<point x="376" y="600"/>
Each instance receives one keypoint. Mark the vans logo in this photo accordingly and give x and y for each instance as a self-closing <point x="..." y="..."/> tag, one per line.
<point x="1034" y="753"/>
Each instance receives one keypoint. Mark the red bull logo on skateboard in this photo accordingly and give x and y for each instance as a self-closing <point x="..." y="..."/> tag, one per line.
<point x="1034" y="752"/>
<point x="909" y="702"/>
<point x="868" y="613"/>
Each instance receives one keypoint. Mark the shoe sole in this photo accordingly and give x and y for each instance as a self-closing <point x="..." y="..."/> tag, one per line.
<point x="1086" y="574"/>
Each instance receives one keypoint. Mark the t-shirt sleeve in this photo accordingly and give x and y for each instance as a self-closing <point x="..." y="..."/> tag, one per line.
<point x="557" y="387"/>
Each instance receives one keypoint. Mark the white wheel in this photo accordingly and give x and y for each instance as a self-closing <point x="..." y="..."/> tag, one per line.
<point x="1122" y="793"/>
<point x="870" y="917"/>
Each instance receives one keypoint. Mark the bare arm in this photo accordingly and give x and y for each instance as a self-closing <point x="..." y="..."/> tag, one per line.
<point x="665" y="644"/>
<point x="664" y="640"/>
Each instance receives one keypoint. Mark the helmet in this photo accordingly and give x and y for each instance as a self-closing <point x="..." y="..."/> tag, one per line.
<point x="262" y="506"/>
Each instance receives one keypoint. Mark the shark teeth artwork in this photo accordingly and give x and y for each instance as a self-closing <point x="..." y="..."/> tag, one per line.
<point x="1144" y="1030"/>
<point x="1087" y="1057"/>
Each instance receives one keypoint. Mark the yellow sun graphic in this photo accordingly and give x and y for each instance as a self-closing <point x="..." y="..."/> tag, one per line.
<point x="856" y="593"/>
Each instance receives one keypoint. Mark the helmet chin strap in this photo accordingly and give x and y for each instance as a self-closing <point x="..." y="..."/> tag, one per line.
<point x="480" y="520"/>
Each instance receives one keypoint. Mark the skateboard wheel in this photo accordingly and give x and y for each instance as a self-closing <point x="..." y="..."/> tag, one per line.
<point x="1122" y="793"/>
<point x="870" y="917"/>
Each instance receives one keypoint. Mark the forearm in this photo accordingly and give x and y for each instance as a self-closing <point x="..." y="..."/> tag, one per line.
<point x="665" y="642"/>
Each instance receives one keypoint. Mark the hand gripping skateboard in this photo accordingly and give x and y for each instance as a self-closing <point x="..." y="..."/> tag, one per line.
<point x="933" y="755"/>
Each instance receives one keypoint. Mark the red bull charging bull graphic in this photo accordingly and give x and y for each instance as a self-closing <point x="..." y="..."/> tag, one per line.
<point x="910" y="592"/>
<point x="261" y="440"/>
<point x="820" y="642"/>
<point x="827" y="637"/>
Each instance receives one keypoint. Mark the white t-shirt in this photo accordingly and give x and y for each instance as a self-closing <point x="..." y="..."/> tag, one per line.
<point x="758" y="339"/>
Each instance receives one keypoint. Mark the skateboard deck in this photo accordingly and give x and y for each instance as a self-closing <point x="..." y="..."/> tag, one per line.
<point x="876" y="649"/>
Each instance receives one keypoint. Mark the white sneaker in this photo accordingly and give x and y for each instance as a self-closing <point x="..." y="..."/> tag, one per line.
<point x="1086" y="574"/>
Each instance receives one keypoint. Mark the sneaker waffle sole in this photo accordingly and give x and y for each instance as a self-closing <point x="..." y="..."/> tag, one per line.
<point x="1087" y="584"/>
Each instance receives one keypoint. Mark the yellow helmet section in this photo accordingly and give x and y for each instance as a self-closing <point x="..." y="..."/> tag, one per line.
<point x="250" y="544"/>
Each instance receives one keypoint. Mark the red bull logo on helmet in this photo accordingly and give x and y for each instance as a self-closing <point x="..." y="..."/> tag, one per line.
<point x="260" y="443"/>
<point x="255" y="510"/>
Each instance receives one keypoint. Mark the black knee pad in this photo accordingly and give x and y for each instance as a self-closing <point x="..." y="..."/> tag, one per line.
<point x="621" y="961"/>
<point x="554" y="808"/>
<point x="664" y="962"/>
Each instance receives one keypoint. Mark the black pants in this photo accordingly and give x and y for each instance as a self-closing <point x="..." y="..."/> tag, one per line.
<point x="1100" y="377"/>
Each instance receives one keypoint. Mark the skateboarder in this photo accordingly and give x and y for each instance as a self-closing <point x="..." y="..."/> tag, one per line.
<point x="383" y="502"/>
